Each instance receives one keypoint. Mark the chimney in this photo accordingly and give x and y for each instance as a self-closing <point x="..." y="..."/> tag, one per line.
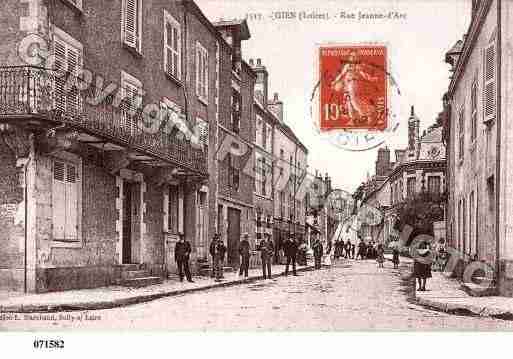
<point x="276" y="107"/>
<point x="383" y="162"/>
<point x="262" y="81"/>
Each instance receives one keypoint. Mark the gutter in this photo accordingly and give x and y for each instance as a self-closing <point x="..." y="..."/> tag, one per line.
<point x="498" y="149"/>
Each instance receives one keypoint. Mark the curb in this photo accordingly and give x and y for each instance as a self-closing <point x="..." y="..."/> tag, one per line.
<point x="52" y="308"/>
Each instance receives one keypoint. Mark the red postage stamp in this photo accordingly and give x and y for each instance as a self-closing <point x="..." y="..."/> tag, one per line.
<point x="353" y="87"/>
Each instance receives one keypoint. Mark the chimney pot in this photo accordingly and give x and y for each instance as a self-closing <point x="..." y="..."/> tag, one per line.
<point x="412" y="111"/>
<point x="251" y="62"/>
<point x="276" y="96"/>
<point x="259" y="62"/>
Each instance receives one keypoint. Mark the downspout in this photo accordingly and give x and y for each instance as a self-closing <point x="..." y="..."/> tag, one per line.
<point x="498" y="150"/>
<point x="25" y="226"/>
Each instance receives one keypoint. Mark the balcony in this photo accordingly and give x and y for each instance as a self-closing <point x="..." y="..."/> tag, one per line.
<point x="28" y="97"/>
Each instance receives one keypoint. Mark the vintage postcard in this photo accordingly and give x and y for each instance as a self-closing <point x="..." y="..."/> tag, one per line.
<point x="284" y="166"/>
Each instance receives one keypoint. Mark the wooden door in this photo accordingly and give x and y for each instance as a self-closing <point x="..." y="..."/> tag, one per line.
<point x="233" y="236"/>
<point x="127" y="223"/>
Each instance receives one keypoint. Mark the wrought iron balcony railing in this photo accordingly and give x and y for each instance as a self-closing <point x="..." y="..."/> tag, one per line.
<point x="32" y="91"/>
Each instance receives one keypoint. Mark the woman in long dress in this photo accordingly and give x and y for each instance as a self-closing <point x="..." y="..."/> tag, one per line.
<point x="422" y="265"/>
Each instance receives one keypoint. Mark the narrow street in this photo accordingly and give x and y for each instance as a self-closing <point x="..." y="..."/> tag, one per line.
<point x="351" y="295"/>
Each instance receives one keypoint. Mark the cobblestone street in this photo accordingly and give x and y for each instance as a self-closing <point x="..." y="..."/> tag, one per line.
<point x="353" y="295"/>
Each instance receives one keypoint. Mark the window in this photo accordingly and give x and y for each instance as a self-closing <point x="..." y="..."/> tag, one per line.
<point x="236" y="111"/>
<point x="68" y="61"/>
<point x="473" y="111"/>
<point x="259" y="130"/>
<point x="264" y="178"/>
<point x="434" y="185"/>
<point x="131" y="93"/>
<point x="233" y="172"/>
<point x="461" y="138"/>
<point x="173" y="210"/>
<point x="66" y="199"/>
<point x="489" y="88"/>
<point x="202" y="132"/>
<point x="201" y="72"/>
<point x="172" y="46"/>
<point x="410" y="187"/>
<point x="131" y="23"/>
<point x="269" y="138"/>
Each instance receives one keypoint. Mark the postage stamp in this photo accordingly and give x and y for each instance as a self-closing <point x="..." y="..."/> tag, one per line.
<point x="353" y="87"/>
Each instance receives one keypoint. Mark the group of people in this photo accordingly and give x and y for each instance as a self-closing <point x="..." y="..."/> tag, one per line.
<point x="217" y="250"/>
<point x="344" y="250"/>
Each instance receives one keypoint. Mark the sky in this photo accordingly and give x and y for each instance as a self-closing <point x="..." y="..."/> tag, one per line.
<point x="287" y="46"/>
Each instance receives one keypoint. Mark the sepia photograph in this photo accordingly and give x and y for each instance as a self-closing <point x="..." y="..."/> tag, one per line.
<point x="255" y="166"/>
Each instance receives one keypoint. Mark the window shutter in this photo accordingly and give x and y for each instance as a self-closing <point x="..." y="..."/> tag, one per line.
<point x="130" y="23"/>
<point x="269" y="138"/>
<point x="60" y="78"/>
<point x="59" y="200"/>
<point x="70" y="229"/>
<point x="74" y="63"/>
<point x="204" y="133"/>
<point x="489" y="87"/>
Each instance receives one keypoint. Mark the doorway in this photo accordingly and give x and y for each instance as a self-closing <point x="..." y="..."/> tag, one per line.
<point x="127" y="223"/>
<point x="233" y="236"/>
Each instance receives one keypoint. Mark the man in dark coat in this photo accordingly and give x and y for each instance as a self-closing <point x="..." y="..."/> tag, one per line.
<point x="217" y="251"/>
<point x="348" y="247"/>
<point x="266" y="248"/>
<point x="318" y="250"/>
<point x="244" y="252"/>
<point x="182" y="253"/>
<point x="290" y="248"/>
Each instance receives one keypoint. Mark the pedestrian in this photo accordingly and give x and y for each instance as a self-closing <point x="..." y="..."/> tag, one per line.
<point x="422" y="265"/>
<point x="290" y="248"/>
<point x="380" y="255"/>
<point x="266" y="248"/>
<point x="318" y="250"/>
<point x="217" y="251"/>
<point x="361" y="250"/>
<point x="395" y="257"/>
<point x="338" y="249"/>
<point x="348" y="248"/>
<point x="353" y="249"/>
<point x="182" y="253"/>
<point x="244" y="252"/>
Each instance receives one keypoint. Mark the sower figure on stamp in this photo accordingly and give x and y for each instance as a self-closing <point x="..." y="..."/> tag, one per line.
<point x="266" y="248"/>
<point x="244" y="252"/>
<point x="182" y="253"/>
<point x="290" y="248"/>
<point x="217" y="250"/>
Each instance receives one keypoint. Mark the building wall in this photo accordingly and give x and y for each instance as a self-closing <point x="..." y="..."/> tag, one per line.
<point x="478" y="165"/>
<point x="12" y="222"/>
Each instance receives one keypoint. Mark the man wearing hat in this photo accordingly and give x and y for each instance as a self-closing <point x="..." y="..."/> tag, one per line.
<point x="244" y="252"/>
<point x="290" y="248"/>
<point x="182" y="253"/>
<point x="217" y="251"/>
<point x="266" y="248"/>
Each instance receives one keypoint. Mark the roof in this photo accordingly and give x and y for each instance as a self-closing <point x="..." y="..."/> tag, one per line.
<point x="433" y="136"/>
<point x="244" y="29"/>
<point x="291" y="134"/>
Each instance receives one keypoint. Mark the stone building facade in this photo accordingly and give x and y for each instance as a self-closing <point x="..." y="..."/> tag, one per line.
<point x="480" y="138"/>
<point x="108" y="140"/>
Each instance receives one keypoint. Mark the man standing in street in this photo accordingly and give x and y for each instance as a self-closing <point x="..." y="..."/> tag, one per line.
<point x="244" y="252"/>
<point x="290" y="248"/>
<point x="217" y="250"/>
<point x="317" y="249"/>
<point x="182" y="253"/>
<point x="266" y="249"/>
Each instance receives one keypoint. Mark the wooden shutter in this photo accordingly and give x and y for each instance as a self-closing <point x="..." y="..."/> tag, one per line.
<point x="74" y="64"/>
<point x="203" y="132"/>
<point x="130" y="23"/>
<point x="489" y="88"/>
<point x="269" y="138"/>
<point x="59" y="200"/>
<point x="71" y="224"/>
<point x="61" y="65"/>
